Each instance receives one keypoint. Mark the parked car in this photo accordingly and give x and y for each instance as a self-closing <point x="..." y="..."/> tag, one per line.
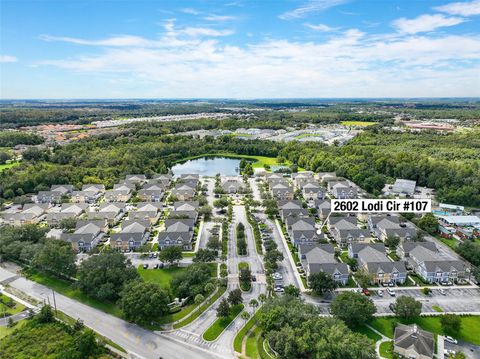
<point x="366" y="291"/>
<point x="155" y="266"/>
<point x="145" y="266"/>
<point x="443" y="292"/>
<point x="279" y="290"/>
<point x="277" y="276"/>
<point x="448" y="352"/>
<point x="451" y="340"/>
<point x="380" y="293"/>
<point x="254" y="279"/>
<point x="391" y="292"/>
<point x="391" y="306"/>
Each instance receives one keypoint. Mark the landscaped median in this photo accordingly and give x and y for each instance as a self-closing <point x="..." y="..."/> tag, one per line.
<point x="219" y="325"/>
<point x="245" y="276"/>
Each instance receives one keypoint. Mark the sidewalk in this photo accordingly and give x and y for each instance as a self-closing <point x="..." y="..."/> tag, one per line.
<point x="290" y="257"/>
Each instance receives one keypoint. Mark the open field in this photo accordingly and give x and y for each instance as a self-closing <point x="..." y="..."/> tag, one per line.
<point x="358" y="123"/>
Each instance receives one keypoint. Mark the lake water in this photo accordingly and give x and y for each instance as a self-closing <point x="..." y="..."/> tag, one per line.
<point x="208" y="166"/>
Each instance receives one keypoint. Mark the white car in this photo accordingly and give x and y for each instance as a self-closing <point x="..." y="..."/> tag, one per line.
<point x="391" y="292"/>
<point x="279" y="290"/>
<point x="448" y="352"/>
<point x="277" y="276"/>
<point x="380" y="293"/>
<point x="442" y="292"/>
<point x="451" y="340"/>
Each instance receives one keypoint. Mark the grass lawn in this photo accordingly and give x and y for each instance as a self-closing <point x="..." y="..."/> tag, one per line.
<point x="358" y="123"/>
<point x="220" y="324"/>
<point x="188" y="254"/>
<point x="437" y="308"/>
<point x="305" y="135"/>
<point x="470" y="331"/>
<point x="4" y="331"/>
<point x="67" y="289"/>
<point x="253" y="341"/>
<point x="203" y="308"/>
<point x="237" y="342"/>
<point x="368" y="332"/>
<point x="8" y="165"/>
<point x="162" y="276"/>
<point x="451" y="242"/>
<point x="10" y="310"/>
<point x="386" y="349"/>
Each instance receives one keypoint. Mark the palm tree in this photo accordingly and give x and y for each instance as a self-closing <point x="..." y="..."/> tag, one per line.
<point x="253" y="303"/>
<point x="262" y="298"/>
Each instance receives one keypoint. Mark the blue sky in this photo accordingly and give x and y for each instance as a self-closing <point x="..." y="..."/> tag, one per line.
<point x="239" y="49"/>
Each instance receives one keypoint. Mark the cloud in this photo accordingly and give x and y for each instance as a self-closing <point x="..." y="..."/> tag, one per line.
<point x="219" y="18"/>
<point x="321" y="27"/>
<point x="312" y="6"/>
<point x="7" y="58"/>
<point x="349" y="64"/>
<point x="191" y="11"/>
<point x="425" y="23"/>
<point x="461" y="8"/>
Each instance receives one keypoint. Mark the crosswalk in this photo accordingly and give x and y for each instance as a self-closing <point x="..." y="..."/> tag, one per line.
<point x="192" y="338"/>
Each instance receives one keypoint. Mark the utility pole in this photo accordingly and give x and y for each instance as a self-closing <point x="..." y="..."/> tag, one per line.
<point x="54" y="302"/>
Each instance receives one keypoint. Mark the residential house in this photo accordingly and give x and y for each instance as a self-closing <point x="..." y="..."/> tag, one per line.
<point x="87" y="235"/>
<point x="178" y="232"/>
<point x="302" y="230"/>
<point x="282" y="191"/>
<point x="150" y="211"/>
<point x="118" y="195"/>
<point x="345" y="230"/>
<point x="317" y="258"/>
<point x="312" y="191"/>
<point x="31" y="213"/>
<point x="390" y="226"/>
<point x="67" y="210"/>
<point x="89" y="193"/>
<point x="134" y="234"/>
<point x="151" y="193"/>
<point x="300" y="179"/>
<point x="49" y="197"/>
<point x="112" y="212"/>
<point x="414" y="343"/>
<point x="63" y="189"/>
<point x="373" y="259"/>
<point x="404" y="248"/>
<point x="186" y="209"/>
<point x="184" y="192"/>
<point x="323" y="207"/>
<point x="164" y="179"/>
<point x="233" y="185"/>
<point x="433" y="268"/>
<point x="135" y="179"/>
<point x="342" y="189"/>
<point x="275" y="178"/>
<point x="326" y="177"/>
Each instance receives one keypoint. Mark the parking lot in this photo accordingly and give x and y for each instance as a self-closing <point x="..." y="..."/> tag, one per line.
<point x="459" y="300"/>
<point x="471" y="351"/>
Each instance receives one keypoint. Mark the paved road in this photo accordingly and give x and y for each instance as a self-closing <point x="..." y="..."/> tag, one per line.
<point x="136" y="340"/>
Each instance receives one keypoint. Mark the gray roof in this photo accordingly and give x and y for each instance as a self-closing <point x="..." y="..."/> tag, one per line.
<point x="149" y="206"/>
<point x="409" y="246"/>
<point x="386" y="267"/>
<point x="93" y="188"/>
<point x="317" y="253"/>
<point x="179" y="225"/>
<point x="371" y="254"/>
<point x="404" y="186"/>
<point x="185" y="205"/>
<point x="384" y="220"/>
<point x="329" y="268"/>
<point x="413" y="338"/>
<point x="357" y="247"/>
<point x="303" y="224"/>
<point x="344" y="222"/>
<point x="286" y="204"/>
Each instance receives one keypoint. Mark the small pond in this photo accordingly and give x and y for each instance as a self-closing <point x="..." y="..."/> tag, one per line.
<point x="208" y="166"/>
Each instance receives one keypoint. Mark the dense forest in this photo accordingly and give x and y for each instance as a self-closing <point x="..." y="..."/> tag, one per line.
<point x="450" y="163"/>
<point x="13" y="138"/>
<point x="16" y="113"/>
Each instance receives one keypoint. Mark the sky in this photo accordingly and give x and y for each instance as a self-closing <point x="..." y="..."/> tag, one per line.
<point x="239" y="49"/>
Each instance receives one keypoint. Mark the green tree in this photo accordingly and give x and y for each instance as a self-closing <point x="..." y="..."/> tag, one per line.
<point x="204" y="255"/>
<point x="392" y="242"/>
<point x="87" y="345"/>
<point x="451" y="323"/>
<point x="4" y="157"/>
<point x="214" y="243"/>
<point x="46" y="314"/>
<point x="292" y="290"/>
<point x="253" y="303"/>
<point x="235" y="296"/>
<point x="57" y="258"/>
<point x="171" y="254"/>
<point x="209" y="288"/>
<point x="223" y="309"/>
<point x="103" y="276"/>
<point x="221" y="203"/>
<point x="245" y="315"/>
<point x="205" y="211"/>
<point x="428" y="223"/>
<point x="199" y="299"/>
<point x="364" y="279"/>
<point x="262" y="298"/>
<point x="354" y="309"/>
<point x="407" y="307"/>
<point x="321" y="283"/>
<point x="143" y="303"/>
<point x="192" y="281"/>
